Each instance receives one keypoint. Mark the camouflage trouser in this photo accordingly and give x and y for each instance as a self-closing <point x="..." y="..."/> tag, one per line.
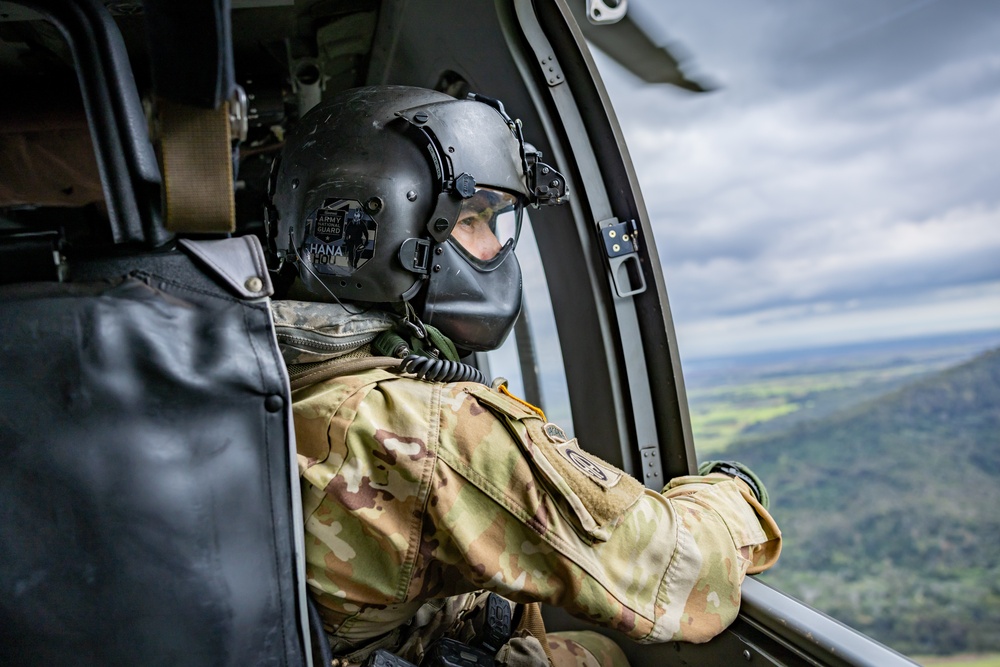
<point x="529" y="645"/>
<point x="585" y="649"/>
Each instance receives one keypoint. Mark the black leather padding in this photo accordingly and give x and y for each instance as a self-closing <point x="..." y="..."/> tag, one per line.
<point x="145" y="475"/>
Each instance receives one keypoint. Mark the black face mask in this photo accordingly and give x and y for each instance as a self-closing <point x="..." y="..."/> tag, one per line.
<point x="472" y="302"/>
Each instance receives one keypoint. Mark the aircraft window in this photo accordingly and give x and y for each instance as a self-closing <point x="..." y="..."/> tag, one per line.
<point x="537" y="337"/>
<point x="835" y="287"/>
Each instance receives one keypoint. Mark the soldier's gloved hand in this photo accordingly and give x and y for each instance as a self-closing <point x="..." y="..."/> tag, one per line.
<point x="739" y="471"/>
<point x="762" y="536"/>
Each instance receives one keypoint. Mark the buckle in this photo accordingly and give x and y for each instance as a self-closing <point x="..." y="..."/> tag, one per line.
<point x="415" y="255"/>
<point x="547" y="186"/>
<point x="239" y="120"/>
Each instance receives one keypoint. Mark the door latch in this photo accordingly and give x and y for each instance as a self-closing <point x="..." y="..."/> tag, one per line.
<point x="621" y="245"/>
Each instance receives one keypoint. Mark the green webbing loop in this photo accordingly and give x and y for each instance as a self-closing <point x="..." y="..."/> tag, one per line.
<point x="442" y="342"/>
<point x="388" y="343"/>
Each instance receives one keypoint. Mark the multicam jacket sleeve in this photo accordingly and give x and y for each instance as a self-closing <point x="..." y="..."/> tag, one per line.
<point x="415" y="490"/>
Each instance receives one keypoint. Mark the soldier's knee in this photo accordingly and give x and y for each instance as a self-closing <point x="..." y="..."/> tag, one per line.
<point x="585" y="649"/>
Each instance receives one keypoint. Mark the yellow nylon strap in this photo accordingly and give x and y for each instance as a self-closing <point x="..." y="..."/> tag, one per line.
<point x="503" y="390"/>
<point x="196" y="153"/>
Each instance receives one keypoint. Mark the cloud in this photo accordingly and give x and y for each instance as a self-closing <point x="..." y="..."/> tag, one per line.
<point x="861" y="258"/>
<point x="870" y="46"/>
<point x="849" y="160"/>
<point x="938" y="311"/>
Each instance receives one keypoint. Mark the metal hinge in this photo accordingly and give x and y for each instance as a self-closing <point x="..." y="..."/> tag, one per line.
<point x="652" y="471"/>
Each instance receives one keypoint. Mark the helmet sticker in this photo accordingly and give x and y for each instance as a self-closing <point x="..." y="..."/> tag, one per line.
<point x="340" y="237"/>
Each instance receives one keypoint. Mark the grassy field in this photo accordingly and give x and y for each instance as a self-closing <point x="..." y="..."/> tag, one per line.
<point x="760" y="405"/>
<point x="742" y="399"/>
<point x="989" y="660"/>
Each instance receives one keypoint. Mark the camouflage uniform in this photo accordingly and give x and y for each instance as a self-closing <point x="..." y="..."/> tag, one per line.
<point x="417" y="491"/>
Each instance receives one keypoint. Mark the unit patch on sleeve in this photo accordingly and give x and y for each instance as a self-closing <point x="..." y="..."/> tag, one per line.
<point x="340" y="237"/>
<point x="597" y="470"/>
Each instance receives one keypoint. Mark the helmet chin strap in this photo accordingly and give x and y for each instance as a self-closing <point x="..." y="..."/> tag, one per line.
<point x="413" y="323"/>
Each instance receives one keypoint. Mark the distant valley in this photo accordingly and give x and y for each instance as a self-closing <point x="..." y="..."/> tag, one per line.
<point x="884" y="472"/>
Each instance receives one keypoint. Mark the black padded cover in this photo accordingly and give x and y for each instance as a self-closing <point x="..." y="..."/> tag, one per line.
<point x="145" y="480"/>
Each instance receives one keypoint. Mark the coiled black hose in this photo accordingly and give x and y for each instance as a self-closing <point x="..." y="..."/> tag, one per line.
<point x="440" y="370"/>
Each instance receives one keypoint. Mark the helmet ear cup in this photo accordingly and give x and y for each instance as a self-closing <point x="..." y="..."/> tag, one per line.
<point x="352" y="185"/>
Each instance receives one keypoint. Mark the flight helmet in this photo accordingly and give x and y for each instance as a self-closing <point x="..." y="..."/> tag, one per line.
<point x="401" y="195"/>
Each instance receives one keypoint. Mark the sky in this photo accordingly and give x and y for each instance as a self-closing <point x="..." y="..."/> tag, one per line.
<point x="841" y="184"/>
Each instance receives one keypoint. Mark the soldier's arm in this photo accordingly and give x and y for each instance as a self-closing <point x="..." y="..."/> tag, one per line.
<point x="506" y="513"/>
<point x="417" y="491"/>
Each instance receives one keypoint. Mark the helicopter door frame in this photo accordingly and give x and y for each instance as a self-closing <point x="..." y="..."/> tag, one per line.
<point x="771" y="626"/>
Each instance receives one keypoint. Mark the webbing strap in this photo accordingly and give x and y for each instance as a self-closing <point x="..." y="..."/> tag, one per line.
<point x="196" y="150"/>
<point x="338" y="367"/>
<point x="532" y="623"/>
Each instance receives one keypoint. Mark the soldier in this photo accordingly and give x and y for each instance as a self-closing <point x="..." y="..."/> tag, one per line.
<point x="356" y="238"/>
<point x="427" y="499"/>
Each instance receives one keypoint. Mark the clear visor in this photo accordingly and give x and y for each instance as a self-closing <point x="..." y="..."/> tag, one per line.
<point x="488" y="222"/>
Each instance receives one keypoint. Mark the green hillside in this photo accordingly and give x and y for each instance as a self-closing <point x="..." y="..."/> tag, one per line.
<point x="891" y="511"/>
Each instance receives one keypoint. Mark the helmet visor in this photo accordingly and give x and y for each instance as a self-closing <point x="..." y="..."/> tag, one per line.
<point x="488" y="223"/>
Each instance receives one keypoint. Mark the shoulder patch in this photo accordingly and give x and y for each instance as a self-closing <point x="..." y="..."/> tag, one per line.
<point x="589" y="465"/>
<point x="555" y="433"/>
<point x="591" y="494"/>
